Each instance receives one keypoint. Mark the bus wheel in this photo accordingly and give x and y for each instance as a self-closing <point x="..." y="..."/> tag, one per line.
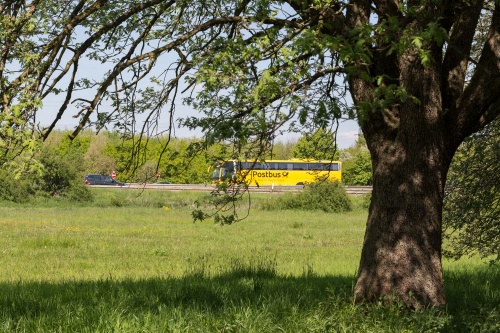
<point x="300" y="184"/>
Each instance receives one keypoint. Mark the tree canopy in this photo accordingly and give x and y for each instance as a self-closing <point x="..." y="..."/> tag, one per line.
<point x="319" y="145"/>
<point x="259" y="64"/>
<point x="420" y="80"/>
<point x="472" y="205"/>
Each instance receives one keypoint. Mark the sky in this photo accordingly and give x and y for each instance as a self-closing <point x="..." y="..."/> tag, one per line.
<point x="347" y="132"/>
<point x="346" y="136"/>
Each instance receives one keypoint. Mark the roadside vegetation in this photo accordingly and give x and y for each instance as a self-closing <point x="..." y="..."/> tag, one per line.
<point x="326" y="196"/>
<point x="133" y="261"/>
<point x="61" y="163"/>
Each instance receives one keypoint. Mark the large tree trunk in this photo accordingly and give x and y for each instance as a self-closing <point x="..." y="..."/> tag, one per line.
<point x="401" y="256"/>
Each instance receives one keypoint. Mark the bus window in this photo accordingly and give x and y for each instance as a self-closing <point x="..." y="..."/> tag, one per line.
<point x="332" y="167"/>
<point x="251" y="166"/>
<point x="216" y="173"/>
<point x="259" y="166"/>
<point x="285" y="166"/>
<point x="227" y="173"/>
<point x="273" y="166"/>
<point x="241" y="165"/>
<point x="228" y="165"/>
<point x="315" y="166"/>
<point x="224" y="172"/>
<point x="299" y="166"/>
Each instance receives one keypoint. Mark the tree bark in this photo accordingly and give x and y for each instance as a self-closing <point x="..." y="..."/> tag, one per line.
<point x="401" y="256"/>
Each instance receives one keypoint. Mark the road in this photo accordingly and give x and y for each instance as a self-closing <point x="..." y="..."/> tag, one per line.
<point x="353" y="190"/>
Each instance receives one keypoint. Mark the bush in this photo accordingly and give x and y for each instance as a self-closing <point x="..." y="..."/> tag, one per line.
<point x="78" y="191"/>
<point x="327" y="196"/>
<point x="58" y="172"/>
<point x="16" y="190"/>
<point x="60" y="176"/>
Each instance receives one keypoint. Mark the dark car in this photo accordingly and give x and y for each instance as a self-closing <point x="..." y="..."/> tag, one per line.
<point x="95" y="179"/>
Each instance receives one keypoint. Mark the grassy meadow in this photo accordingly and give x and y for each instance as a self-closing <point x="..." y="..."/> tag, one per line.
<point x="137" y="263"/>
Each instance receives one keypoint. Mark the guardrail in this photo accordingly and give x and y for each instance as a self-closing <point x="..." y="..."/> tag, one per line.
<point x="358" y="190"/>
<point x="353" y="190"/>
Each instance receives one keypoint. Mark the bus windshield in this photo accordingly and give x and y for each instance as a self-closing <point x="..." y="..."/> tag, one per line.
<point x="216" y="173"/>
<point x="224" y="171"/>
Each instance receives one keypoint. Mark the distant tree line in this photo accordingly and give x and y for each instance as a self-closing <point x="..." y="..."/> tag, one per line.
<point x="63" y="162"/>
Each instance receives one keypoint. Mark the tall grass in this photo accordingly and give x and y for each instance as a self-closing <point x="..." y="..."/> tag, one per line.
<point x="128" y="263"/>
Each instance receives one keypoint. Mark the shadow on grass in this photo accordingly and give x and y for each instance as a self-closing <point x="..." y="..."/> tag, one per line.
<point x="473" y="298"/>
<point x="240" y="300"/>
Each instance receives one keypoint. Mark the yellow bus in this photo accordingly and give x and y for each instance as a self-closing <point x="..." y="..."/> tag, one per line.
<point x="278" y="172"/>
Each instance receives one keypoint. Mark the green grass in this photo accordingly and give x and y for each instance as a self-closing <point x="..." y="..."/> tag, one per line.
<point x="128" y="264"/>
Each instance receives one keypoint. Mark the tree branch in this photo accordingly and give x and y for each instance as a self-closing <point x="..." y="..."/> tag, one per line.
<point x="456" y="59"/>
<point x="480" y="101"/>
